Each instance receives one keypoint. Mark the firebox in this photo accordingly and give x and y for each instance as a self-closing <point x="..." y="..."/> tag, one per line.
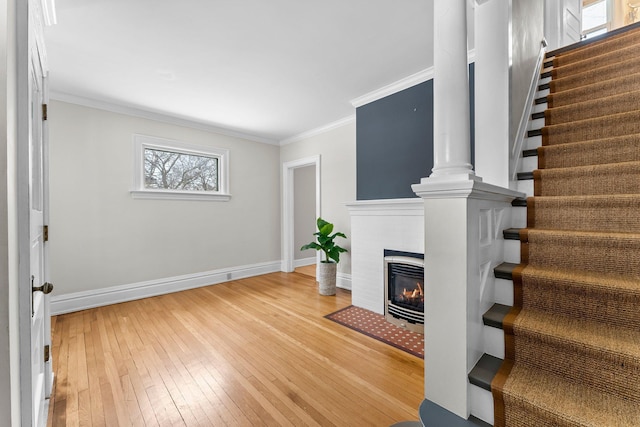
<point x="404" y="289"/>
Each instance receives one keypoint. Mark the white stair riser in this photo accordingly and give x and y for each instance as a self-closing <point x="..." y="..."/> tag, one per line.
<point x="532" y="142"/>
<point x="481" y="403"/>
<point x="525" y="186"/>
<point x="512" y="251"/>
<point x="528" y="164"/>
<point x="519" y="217"/>
<point x="493" y="341"/>
<point x="539" y="108"/>
<point x="504" y="291"/>
<point x="535" y="124"/>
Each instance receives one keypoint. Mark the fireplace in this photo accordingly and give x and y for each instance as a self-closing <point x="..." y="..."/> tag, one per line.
<point x="404" y="289"/>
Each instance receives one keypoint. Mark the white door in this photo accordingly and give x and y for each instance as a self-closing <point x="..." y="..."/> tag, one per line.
<point x="41" y="372"/>
<point x="571" y="21"/>
<point x="562" y="22"/>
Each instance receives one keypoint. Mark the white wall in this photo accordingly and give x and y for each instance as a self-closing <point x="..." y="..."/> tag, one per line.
<point x="337" y="150"/>
<point x="527" y="31"/>
<point x="304" y="210"/>
<point x="492" y="91"/>
<point x="101" y="237"/>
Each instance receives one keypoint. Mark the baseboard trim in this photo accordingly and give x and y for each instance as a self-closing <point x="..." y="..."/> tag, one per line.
<point x="76" y="301"/>
<point x="304" y="262"/>
<point x="343" y="281"/>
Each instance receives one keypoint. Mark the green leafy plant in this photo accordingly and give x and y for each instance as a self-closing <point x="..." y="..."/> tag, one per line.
<point x="324" y="242"/>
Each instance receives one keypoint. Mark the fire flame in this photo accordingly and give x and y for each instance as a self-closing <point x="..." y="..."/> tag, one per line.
<point x="416" y="293"/>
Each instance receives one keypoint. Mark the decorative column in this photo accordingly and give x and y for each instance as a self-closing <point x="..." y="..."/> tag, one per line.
<point x="463" y="218"/>
<point x="451" y="151"/>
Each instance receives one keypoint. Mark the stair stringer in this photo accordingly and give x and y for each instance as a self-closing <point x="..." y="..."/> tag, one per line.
<point x="515" y="217"/>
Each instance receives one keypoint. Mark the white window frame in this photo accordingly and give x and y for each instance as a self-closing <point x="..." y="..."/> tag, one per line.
<point x="142" y="142"/>
<point x="588" y="32"/>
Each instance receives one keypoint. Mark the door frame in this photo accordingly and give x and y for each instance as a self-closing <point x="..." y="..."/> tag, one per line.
<point x="29" y="45"/>
<point x="288" y="219"/>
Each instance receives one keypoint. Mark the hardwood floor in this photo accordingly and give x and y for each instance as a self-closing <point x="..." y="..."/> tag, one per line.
<point x="250" y="352"/>
<point x="309" y="270"/>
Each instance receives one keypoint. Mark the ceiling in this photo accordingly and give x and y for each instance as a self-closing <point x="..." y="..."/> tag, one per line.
<point x="269" y="69"/>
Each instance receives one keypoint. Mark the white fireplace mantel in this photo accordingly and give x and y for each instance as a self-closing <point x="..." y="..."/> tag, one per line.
<point x="376" y="225"/>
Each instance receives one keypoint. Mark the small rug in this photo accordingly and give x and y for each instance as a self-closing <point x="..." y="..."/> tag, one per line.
<point x="376" y="326"/>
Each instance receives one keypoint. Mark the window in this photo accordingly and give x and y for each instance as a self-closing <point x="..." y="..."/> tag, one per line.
<point x="594" y="17"/>
<point x="166" y="169"/>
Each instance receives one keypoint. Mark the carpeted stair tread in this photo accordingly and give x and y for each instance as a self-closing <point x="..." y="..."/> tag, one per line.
<point x="617" y="254"/>
<point x="609" y="44"/>
<point x="589" y="109"/>
<point x="536" y="398"/>
<point x="596" y="128"/>
<point x="607" y="72"/>
<point x="572" y="338"/>
<point x="599" y="297"/>
<point x="579" y="350"/>
<point x="604" y="59"/>
<point x="572" y="332"/>
<point x="597" y="90"/>
<point x="614" y="213"/>
<point x="617" y="178"/>
<point x="619" y="149"/>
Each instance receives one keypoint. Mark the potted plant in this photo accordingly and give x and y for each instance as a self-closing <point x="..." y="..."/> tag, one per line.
<point x="328" y="267"/>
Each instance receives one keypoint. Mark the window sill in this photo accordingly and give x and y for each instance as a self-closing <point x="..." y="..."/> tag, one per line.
<point x="179" y="195"/>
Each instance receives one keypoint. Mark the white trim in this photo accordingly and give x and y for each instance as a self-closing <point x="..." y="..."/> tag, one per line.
<point x="471" y="189"/>
<point x="77" y="301"/>
<point x="515" y="156"/>
<point x="390" y="89"/>
<point x="319" y="130"/>
<point x="49" y="12"/>
<point x="287" y="206"/>
<point x="178" y="195"/>
<point x="471" y="56"/>
<point x="141" y="142"/>
<point x="304" y="262"/>
<point x="386" y="207"/>
<point x="402" y="84"/>
<point x="177" y="120"/>
<point x="343" y="281"/>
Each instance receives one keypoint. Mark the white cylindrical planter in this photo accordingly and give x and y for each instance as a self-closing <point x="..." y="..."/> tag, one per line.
<point x="327" y="278"/>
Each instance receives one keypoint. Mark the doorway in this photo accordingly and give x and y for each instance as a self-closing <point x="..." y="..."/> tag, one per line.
<point x="290" y="251"/>
<point x="304" y="218"/>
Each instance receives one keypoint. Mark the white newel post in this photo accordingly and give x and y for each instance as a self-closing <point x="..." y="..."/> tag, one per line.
<point x="463" y="218"/>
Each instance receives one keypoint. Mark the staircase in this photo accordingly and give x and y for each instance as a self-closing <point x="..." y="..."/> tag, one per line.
<point x="568" y="294"/>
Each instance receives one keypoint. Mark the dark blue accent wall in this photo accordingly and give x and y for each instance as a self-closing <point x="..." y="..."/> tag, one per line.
<point x="394" y="142"/>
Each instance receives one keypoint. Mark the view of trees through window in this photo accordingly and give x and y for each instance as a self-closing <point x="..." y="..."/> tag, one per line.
<point x="172" y="170"/>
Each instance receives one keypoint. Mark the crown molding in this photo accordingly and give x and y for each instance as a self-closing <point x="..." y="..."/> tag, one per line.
<point x="390" y="89"/>
<point x="157" y="116"/>
<point x="319" y="130"/>
<point x="402" y="84"/>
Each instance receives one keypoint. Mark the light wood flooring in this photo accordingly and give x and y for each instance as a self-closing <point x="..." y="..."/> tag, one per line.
<point x="249" y="352"/>
<point x="309" y="270"/>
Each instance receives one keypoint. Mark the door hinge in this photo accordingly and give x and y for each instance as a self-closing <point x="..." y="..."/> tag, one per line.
<point x="47" y="353"/>
<point x="45" y="233"/>
<point x="44" y="111"/>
